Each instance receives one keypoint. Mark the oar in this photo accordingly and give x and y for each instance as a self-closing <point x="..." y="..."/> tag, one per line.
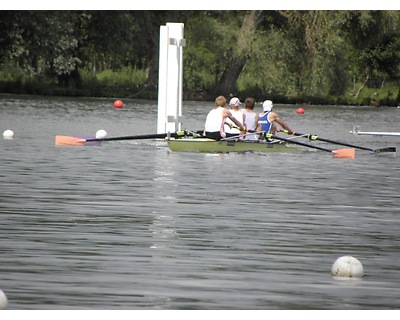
<point x="315" y="137"/>
<point x="74" y="141"/>
<point x="339" y="153"/>
<point x="356" y="130"/>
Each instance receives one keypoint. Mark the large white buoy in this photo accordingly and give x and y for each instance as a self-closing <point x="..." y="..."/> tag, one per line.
<point x="3" y="301"/>
<point x="101" y="134"/>
<point x="347" y="267"/>
<point x="8" y="134"/>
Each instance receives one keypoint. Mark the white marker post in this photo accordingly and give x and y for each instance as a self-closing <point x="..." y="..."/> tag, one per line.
<point x="170" y="78"/>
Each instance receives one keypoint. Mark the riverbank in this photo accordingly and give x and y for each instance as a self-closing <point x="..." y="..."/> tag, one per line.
<point x="386" y="95"/>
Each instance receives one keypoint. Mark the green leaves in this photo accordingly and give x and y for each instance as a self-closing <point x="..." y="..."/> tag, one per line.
<point x="285" y="54"/>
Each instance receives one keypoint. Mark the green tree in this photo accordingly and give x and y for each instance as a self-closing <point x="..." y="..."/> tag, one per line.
<point x="321" y="51"/>
<point x="42" y="43"/>
<point x="374" y="36"/>
<point x="284" y="55"/>
<point x="240" y="52"/>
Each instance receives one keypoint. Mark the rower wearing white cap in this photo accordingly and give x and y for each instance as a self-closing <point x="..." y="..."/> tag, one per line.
<point x="230" y="128"/>
<point x="267" y="119"/>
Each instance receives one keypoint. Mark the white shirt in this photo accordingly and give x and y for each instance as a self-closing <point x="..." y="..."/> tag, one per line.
<point x="251" y="124"/>
<point x="215" y="120"/>
<point x="238" y="115"/>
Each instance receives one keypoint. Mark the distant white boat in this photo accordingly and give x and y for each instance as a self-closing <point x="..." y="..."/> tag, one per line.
<point x="356" y="130"/>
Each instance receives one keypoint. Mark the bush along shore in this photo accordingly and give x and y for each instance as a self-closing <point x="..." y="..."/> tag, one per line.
<point x="118" y="85"/>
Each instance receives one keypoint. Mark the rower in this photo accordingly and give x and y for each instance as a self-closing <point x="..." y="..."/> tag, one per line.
<point x="267" y="119"/>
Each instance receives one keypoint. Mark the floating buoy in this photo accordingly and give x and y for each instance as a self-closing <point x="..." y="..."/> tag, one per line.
<point x="8" y="134"/>
<point x="300" y="111"/>
<point x="347" y="267"/>
<point x="101" y="134"/>
<point x="3" y="301"/>
<point x="118" y="104"/>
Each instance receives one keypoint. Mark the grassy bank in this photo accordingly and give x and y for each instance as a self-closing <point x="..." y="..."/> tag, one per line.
<point x="129" y="82"/>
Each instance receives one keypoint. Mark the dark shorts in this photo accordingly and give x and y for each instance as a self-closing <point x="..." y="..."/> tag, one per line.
<point x="213" y="135"/>
<point x="231" y="135"/>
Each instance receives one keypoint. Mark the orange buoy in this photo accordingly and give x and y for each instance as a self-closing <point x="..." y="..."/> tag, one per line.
<point x="118" y="104"/>
<point x="300" y="111"/>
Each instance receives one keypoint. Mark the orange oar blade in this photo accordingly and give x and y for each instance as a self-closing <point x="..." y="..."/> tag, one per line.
<point x="69" y="141"/>
<point x="344" y="153"/>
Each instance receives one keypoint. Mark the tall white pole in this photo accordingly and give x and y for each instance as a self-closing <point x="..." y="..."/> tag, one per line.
<point x="170" y="78"/>
<point x="162" y="80"/>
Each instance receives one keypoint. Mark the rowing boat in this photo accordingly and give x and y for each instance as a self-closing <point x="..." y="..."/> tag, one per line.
<point x="206" y="145"/>
<point x="190" y="141"/>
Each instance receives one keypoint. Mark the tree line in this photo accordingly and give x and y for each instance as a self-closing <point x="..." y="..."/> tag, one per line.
<point x="349" y="57"/>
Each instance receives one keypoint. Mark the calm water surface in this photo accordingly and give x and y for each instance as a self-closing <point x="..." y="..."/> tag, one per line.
<point x="132" y="225"/>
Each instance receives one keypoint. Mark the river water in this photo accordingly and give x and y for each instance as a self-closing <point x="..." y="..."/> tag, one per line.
<point x="131" y="225"/>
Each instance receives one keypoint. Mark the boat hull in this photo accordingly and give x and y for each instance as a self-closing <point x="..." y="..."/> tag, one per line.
<point x="224" y="146"/>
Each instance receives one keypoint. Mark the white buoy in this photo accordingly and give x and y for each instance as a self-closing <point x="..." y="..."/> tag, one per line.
<point x="8" y="134"/>
<point x="101" y="134"/>
<point x="3" y="301"/>
<point x="347" y="267"/>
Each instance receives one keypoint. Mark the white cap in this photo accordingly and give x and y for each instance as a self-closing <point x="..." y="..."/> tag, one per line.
<point x="235" y="102"/>
<point x="267" y="105"/>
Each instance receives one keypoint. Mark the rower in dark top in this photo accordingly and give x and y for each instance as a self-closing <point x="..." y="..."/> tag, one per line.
<point x="267" y="119"/>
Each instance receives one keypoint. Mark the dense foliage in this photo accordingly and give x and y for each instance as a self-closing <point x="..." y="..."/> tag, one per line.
<point x="349" y="57"/>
